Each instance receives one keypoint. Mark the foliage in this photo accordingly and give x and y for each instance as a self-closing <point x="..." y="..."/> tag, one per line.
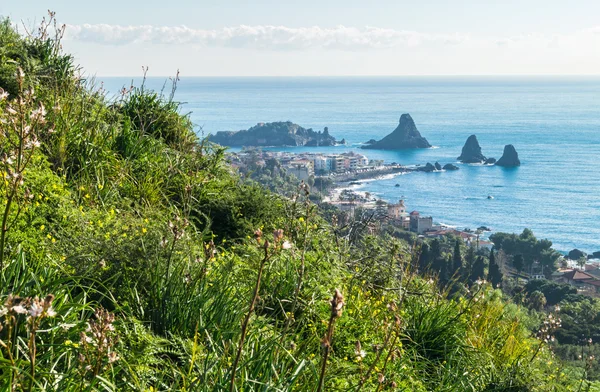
<point x="527" y="247"/>
<point x="139" y="260"/>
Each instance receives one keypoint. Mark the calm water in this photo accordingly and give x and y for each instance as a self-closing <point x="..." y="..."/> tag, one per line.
<point x="554" y="124"/>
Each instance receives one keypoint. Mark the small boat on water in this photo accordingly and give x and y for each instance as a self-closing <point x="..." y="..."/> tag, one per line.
<point x="490" y="197"/>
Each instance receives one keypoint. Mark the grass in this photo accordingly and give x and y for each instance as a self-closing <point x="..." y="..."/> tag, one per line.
<point x="169" y="272"/>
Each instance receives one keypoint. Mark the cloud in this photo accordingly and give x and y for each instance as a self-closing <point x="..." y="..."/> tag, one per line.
<point x="282" y="38"/>
<point x="262" y="37"/>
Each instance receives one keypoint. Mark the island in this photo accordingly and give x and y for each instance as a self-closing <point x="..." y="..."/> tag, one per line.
<point x="405" y="136"/>
<point x="471" y="151"/>
<point x="510" y="157"/>
<point x="275" y="134"/>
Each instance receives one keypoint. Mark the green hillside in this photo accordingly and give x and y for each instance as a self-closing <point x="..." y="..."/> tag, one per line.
<point x="133" y="257"/>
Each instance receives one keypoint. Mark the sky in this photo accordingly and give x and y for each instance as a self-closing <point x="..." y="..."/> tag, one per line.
<point x="324" y="38"/>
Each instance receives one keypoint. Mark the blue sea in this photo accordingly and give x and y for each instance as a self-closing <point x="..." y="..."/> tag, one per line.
<point x="554" y="123"/>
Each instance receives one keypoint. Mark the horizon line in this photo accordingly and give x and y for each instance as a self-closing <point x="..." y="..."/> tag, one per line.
<point x="356" y="76"/>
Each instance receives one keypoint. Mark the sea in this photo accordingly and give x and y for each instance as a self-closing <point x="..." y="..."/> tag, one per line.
<point x="553" y="122"/>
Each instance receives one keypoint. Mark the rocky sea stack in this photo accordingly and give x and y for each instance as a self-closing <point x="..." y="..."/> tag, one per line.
<point x="405" y="136"/>
<point x="274" y="134"/>
<point x="510" y="158"/>
<point x="471" y="151"/>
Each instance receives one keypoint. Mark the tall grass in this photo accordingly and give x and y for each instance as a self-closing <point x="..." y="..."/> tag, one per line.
<point x="131" y="263"/>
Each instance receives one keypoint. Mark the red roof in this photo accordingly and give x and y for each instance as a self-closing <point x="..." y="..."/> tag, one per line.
<point x="415" y="213"/>
<point x="579" y="276"/>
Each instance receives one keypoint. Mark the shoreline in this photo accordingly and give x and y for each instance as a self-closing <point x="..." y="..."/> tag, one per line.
<point x="340" y="186"/>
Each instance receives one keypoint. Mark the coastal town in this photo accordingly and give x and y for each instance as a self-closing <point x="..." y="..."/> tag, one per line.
<point x="347" y="169"/>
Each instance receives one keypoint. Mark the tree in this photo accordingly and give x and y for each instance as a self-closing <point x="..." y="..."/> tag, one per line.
<point x="469" y="262"/>
<point x="536" y="300"/>
<point x="518" y="262"/>
<point x="478" y="270"/>
<point x="457" y="260"/>
<point x="424" y="258"/>
<point x="581" y="262"/>
<point x="494" y="273"/>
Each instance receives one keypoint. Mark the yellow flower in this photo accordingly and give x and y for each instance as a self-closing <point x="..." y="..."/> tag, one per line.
<point x="53" y="240"/>
<point x="82" y="188"/>
<point x="42" y="227"/>
<point x="144" y="230"/>
<point x="87" y="196"/>
<point x="49" y="236"/>
<point x="100" y="186"/>
<point x="301" y="219"/>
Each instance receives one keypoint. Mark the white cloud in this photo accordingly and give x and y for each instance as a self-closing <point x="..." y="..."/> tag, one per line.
<point x="262" y="37"/>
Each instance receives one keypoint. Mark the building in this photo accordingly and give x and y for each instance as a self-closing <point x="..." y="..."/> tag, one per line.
<point x="303" y="169"/>
<point x="363" y="160"/>
<point x="322" y="164"/>
<point x="420" y="224"/>
<point x="337" y="163"/>
<point x="580" y="279"/>
<point x="398" y="213"/>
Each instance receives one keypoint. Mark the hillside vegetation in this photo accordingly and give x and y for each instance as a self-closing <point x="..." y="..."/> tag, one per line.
<point x="132" y="257"/>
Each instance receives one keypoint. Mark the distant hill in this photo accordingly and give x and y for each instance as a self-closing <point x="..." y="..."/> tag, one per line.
<point x="274" y="134"/>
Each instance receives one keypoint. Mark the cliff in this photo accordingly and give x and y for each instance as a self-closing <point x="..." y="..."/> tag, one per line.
<point x="510" y="157"/>
<point x="471" y="151"/>
<point x="274" y="134"/>
<point x="405" y="136"/>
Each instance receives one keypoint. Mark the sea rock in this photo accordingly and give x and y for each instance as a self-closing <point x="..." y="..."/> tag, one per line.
<point x="371" y="141"/>
<point x="405" y="136"/>
<point x="438" y="166"/>
<point x="595" y="255"/>
<point x="490" y="161"/>
<point x="274" y="134"/>
<point x="450" y="166"/>
<point x="576" y="254"/>
<point x="471" y="151"/>
<point x="510" y="158"/>
<point x="428" y="168"/>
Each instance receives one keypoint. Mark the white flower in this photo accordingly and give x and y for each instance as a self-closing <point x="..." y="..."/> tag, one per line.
<point x="286" y="245"/>
<point x="112" y="357"/>
<point x="3" y="95"/>
<point x="3" y="311"/>
<point x="38" y="114"/>
<point x="19" y="309"/>
<point x="36" y="309"/>
<point x="50" y="312"/>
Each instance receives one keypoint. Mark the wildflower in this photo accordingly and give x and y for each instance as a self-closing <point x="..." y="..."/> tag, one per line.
<point x="337" y="303"/>
<point x="50" y="312"/>
<point x="359" y="352"/>
<point x="277" y="235"/>
<point x="3" y="311"/>
<point x="36" y="309"/>
<point x="39" y="114"/>
<point x="112" y="357"/>
<point x="3" y="94"/>
<point x="380" y="378"/>
<point x="19" y="309"/>
<point x="286" y="245"/>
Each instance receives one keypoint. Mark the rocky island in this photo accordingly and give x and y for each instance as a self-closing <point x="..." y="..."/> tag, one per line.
<point x="510" y="158"/>
<point x="275" y="134"/>
<point x="471" y="151"/>
<point x="405" y="136"/>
